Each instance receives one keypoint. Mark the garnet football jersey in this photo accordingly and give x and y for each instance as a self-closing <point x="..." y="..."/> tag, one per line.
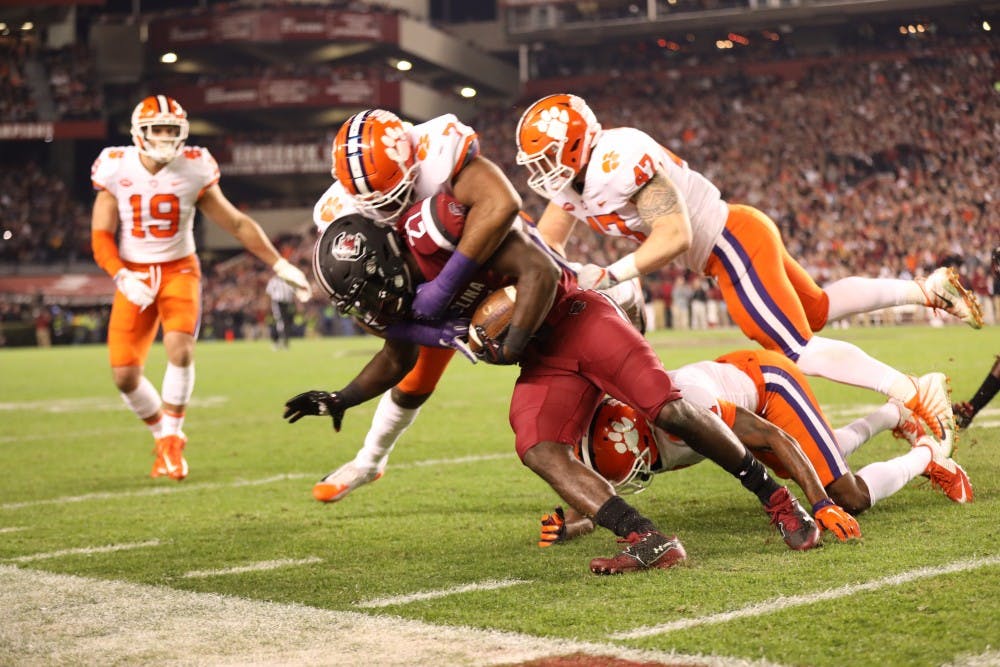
<point x="156" y="210"/>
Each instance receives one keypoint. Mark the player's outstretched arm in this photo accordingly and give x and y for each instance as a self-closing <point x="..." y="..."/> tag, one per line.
<point x="556" y="226"/>
<point x="759" y="435"/>
<point x="563" y="525"/>
<point x="245" y="229"/>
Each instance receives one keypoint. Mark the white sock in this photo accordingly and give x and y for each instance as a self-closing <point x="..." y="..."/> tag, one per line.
<point x="850" y="296"/>
<point x="173" y="422"/>
<point x="143" y="400"/>
<point x="388" y="424"/>
<point x="846" y="363"/>
<point x="887" y="477"/>
<point x="860" y="431"/>
<point x="178" y="384"/>
<point x="156" y="428"/>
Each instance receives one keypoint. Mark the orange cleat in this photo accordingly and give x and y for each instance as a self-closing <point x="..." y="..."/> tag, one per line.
<point x="170" y="460"/>
<point x="342" y="481"/>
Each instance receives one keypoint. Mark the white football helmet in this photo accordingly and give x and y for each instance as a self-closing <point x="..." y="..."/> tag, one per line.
<point x="158" y="110"/>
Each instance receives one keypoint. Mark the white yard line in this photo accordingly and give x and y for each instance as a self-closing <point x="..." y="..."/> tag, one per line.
<point x="262" y="566"/>
<point x="489" y="585"/>
<point x="83" y="551"/>
<point x="194" y="486"/>
<point x="94" y="404"/>
<point x="781" y="603"/>
<point x="13" y="529"/>
<point x="62" y="619"/>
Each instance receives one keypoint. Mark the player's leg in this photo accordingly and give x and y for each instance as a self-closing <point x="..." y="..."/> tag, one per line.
<point x="549" y="411"/>
<point x="751" y="265"/>
<point x="130" y="336"/>
<point x="278" y="325"/>
<point x="942" y="290"/>
<point x="179" y="301"/>
<point x="967" y="410"/>
<point x="396" y="410"/>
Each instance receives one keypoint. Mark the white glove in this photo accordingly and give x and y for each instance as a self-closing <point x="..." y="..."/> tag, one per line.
<point x="132" y="285"/>
<point x="294" y="277"/>
<point x="591" y="276"/>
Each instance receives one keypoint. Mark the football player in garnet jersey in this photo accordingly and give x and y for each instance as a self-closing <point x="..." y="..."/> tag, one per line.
<point x="623" y="183"/>
<point x="746" y="388"/>
<point x="558" y="334"/>
<point x="380" y="166"/>
<point x="142" y="235"/>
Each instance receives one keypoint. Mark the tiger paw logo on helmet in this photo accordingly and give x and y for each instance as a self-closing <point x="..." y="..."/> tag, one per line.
<point x="609" y="162"/>
<point x="553" y="122"/>
<point x="624" y="436"/>
<point x="397" y="146"/>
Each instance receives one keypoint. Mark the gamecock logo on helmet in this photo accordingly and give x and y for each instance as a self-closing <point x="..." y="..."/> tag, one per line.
<point x="348" y="247"/>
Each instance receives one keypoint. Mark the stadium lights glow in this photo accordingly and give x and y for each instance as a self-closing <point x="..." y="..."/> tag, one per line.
<point x="986" y="26"/>
<point x="7" y="235"/>
<point x="168" y="57"/>
<point x="404" y="65"/>
<point x="723" y="44"/>
<point x="467" y="92"/>
<point x="27" y="25"/>
<point x="3" y="26"/>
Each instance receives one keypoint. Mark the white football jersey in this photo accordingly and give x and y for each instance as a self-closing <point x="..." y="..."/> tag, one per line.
<point x="441" y="147"/>
<point x="704" y="384"/>
<point x="622" y="161"/>
<point x="155" y="211"/>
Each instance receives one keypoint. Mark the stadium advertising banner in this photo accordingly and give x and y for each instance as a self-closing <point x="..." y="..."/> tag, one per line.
<point x="285" y="92"/>
<point x="274" y="25"/>
<point x="60" y="288"/>
<point x="69" y="129"/>
<point x="290" y="158"/>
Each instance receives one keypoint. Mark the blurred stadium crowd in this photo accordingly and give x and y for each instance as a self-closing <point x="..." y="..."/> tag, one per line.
<point x="872" y="164"/>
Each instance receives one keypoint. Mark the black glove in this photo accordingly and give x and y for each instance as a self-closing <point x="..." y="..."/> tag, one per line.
<point x="316" y="403"/>
<point x="492" y="351"/>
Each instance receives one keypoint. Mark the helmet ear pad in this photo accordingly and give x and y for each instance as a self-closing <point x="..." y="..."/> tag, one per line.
<point x="362" y="267"/>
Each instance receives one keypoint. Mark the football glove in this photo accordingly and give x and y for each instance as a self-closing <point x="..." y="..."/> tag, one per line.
<point x="834" y="518"/>
<point x="553" y="528"/>
<point x="132" y="284"/>
<point x="316" y="403"/>
<point x="591" y="276"/>
<point x="292" y="275"/>
<point x="451" y="333"/>
<point x="493" y="350"/>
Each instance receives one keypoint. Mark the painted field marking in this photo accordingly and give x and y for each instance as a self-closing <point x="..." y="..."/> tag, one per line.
<point x="780" y="603"/>
<point x="262" y="566"/>
<point x="83" y="551"/>
<point x="13" y="529"/>
<point x="195" y="486"/>
<point x="93" y="621"/>
<point x="488" y="585"/>
<point x="94" y="404"/>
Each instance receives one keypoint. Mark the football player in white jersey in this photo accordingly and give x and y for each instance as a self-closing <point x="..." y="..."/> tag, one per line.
<point x="380" y="167"/>
<point x="623" y="183"/>
<point x="746" y="388"/>
<point x="142" y="235"/>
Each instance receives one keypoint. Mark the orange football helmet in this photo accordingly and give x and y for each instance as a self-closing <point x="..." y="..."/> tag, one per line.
<point x="373" y="160"/>
<point x="620" y="446"/>
<point x="554" y="139"/>
<point x="158" y="110"/>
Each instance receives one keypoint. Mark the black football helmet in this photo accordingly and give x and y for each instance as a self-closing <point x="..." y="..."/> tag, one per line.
<point x="360" y="266"/>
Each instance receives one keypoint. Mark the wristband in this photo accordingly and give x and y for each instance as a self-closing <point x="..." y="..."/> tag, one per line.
<point x="826" y="502"/>
<point x="624" y="269"/>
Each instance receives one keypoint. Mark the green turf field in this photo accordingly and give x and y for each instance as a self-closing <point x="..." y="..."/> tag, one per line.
<point x="456" y="509"/>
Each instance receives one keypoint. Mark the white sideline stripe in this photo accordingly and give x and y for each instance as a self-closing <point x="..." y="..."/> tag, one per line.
<point x="83" y="551"/>
<point x="13" y="529"/>
<point x="985" y="659"/>
<point x="178" y="488"/>
<point x="262" y="566"/>
<point x="153" y="491"/>
<point x="780" y="603"/>
<point x="97" y="622"/>
<point x="488" y="585"/>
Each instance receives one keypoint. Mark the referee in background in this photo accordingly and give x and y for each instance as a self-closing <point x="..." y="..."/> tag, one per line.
<point x="282" y="311"/>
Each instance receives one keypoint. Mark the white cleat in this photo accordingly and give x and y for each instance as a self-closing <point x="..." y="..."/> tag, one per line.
<point x="945" y="473"/>
<point x="909" y="427"/>
<point x="943" y="291"/>
<point x="932" y="403"/>
<point x="343" y="480"/>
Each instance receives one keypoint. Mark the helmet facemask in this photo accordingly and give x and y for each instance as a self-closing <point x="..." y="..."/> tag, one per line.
<point x="554" y="138"/>
<point x="620" y="446"/>
<point x="547" y="176"/>
<point x="159" y="111"/>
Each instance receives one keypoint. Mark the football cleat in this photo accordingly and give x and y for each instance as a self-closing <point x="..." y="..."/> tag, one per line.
<point x="343" y="480"/>
<point x="932" y="402"/>
<point x="170" y="461"/>
<point x="945" y="473"/>
<point x="908" y="428"/>
<point x="797" y="528"/>
<point x="943" y="291"/>
<point x="964" y="412"/>
<point x="652" y="550"/>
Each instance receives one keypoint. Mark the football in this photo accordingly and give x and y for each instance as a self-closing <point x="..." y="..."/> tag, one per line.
<point x="493" y="315"/>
